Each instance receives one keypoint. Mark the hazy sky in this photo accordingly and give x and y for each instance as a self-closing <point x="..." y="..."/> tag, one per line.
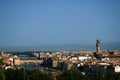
<point x="52" y="22"/>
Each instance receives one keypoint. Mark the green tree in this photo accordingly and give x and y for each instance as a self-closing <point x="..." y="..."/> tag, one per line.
<point x="1" y="62"/>
<point x="21" y="74"/>
<point x="109" y="75"/>
<point x="102" y="75"/>
<point x="118" y="76"/>
<point x="15" y="74"/>
<point x="37" y="75"/>
<point x="2" y="75"/>
<point x="72" y="75"/>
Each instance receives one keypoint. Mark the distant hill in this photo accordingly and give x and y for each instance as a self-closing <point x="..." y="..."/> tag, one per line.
<point x="104" y="46"/>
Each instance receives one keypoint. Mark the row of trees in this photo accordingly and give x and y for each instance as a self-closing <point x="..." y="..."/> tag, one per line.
<point x="72" y="75"/>
<point x="21" y="74"/>
<point x="109" y="75"/>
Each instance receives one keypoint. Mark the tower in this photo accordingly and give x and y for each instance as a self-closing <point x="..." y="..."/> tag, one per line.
<point x="98" y="46"/>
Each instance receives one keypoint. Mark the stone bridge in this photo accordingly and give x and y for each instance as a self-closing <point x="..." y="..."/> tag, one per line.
<point x="31" y="61"/>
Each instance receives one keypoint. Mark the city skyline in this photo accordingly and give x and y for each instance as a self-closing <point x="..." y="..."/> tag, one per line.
<point x="36" y="23"/>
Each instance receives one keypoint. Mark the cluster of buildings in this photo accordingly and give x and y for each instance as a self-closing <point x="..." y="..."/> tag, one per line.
<point x="9" y="60"/>
<point x="88" y="62"/>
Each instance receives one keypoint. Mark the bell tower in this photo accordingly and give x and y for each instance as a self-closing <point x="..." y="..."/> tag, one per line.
<point x="98" y="46"/>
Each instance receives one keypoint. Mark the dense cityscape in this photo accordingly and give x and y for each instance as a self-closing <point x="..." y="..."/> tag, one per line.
<point x="92" y="64"/>
<point x="59" y="39"/>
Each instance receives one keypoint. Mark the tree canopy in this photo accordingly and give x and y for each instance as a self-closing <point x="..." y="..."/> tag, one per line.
<point x="72" y="75"/>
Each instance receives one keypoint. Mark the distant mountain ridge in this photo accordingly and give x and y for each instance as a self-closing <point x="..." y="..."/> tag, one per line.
<point x="104" y="46"/>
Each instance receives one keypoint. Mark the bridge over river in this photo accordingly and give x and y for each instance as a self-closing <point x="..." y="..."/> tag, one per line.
<point x="31" y="61"/>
